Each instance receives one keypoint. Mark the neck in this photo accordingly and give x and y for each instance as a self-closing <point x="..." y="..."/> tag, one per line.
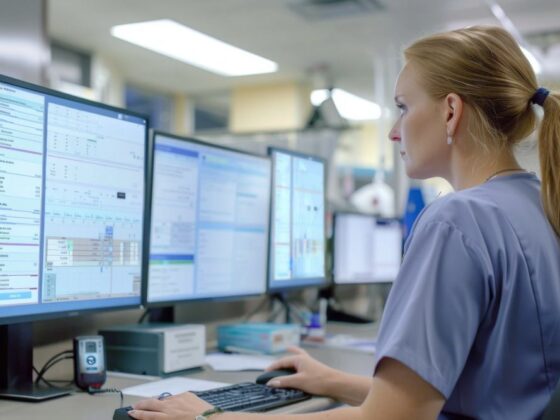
<point x="467" y="172"/>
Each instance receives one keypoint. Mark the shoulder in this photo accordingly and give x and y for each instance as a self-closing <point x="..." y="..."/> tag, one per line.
<point x="460" y="210"/>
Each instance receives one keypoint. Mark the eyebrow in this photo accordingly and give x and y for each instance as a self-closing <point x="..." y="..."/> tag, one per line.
<point x="397" y="97"/>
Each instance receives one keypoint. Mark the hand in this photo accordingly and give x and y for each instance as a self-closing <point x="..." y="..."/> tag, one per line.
<point x="179" y="407"/>
<point x="312" y="376"/>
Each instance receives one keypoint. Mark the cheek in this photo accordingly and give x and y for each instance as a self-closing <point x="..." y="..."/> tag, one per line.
<point x="415" y="129"/>
<point x="423" y="139"/>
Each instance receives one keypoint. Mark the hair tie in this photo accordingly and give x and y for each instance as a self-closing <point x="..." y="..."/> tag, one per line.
<point x="540" y="96"/>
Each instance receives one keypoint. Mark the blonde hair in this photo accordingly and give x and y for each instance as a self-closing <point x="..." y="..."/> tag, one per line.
<point x="487" y="69"/>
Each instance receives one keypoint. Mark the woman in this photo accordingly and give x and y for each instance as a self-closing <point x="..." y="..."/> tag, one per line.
<point x="472" y="325"/>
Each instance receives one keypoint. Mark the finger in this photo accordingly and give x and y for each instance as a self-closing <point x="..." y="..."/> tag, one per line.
<point x="296" y="350"/>
<point x="149" y="405"/>
<point x="285" y="362"/>
<point x="145" y="415"/>
<point x="289" y="381"/>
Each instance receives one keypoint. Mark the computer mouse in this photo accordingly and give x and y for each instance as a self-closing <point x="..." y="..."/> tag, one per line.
<point x="267" y="376"/>
<point x="122" y="413"/>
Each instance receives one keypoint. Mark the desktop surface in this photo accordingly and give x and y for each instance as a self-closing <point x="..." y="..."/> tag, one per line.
<point x="210" y="222"/>
<point x="298" y="242"/>
<point x="102" y="406"/>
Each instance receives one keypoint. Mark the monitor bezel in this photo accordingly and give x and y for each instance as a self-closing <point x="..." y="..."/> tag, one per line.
<point x="75" y="312"/>
<point x="229" y="298"/>
<point x="336" y="216"/>
<point x="311" y="282"/>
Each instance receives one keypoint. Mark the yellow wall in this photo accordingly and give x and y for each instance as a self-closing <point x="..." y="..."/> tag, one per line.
<point x="361" y="147"/>
<point x="277" y="107"/>
<point x="183" y="118"/>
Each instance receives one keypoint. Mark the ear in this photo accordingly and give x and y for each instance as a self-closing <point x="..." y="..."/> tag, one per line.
<point x="453" y="106"/>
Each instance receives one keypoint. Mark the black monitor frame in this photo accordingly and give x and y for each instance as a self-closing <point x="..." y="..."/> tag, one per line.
<point x="311" y="282"/>
<point x="229" y="298"/>
<point x="47" y="91"/>
<point x="16" y="366"/>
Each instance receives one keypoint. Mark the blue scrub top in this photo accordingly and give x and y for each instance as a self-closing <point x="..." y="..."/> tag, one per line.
<point x="475" y="309"/>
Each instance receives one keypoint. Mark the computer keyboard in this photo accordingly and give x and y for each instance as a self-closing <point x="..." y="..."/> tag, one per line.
<point x="248" y="396"/>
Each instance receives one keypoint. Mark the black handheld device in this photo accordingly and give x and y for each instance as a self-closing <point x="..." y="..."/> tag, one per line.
<point x="89" y="362"/>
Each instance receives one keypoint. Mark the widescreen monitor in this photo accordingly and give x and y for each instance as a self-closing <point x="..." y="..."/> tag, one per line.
<point x="72" y="185"/>
<point x="366" y="249"/>
<point x="209" y="222"/>
<point x="298" y="239"/>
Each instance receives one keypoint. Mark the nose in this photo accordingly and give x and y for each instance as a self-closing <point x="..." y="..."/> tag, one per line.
<point x="394" y="134"/>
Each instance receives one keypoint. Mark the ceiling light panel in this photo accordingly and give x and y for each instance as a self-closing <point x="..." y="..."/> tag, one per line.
<point x="177" y="41"/>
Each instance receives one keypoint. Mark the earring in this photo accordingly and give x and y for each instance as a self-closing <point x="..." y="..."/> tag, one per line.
<point x="449" y="139"/>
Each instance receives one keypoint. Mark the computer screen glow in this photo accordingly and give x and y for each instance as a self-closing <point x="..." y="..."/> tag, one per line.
<point x="71" y="204"/>
<point x="297" y="245"/>
<point x="210" y="222"/>
<point x="366" y="250"/>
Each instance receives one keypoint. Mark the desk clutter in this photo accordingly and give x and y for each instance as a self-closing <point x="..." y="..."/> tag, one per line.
<point x="257" y="338"/>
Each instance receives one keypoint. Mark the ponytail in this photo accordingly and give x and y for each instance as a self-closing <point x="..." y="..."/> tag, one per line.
<point x="549" y="155"/>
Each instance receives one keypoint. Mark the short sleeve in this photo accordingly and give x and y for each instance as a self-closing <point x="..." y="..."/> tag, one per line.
<point x="436" y="305"/>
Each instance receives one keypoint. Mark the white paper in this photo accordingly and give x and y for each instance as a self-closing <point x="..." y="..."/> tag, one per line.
<point x="237" y="362"/>
<point x="172" y="385"/>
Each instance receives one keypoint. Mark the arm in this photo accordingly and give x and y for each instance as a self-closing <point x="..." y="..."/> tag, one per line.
<point x="316" y="378"/>
<point x="396" y="393"/>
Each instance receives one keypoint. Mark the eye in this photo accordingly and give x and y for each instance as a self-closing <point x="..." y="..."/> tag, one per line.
<point x="401" y="107"/>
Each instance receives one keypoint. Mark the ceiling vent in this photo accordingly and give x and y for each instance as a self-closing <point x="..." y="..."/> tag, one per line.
<point x="332" y="9"/>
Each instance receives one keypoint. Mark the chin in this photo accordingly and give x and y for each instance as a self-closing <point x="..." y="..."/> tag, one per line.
<point x="416" y="172"/>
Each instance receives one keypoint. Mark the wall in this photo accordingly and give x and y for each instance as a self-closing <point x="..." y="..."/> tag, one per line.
<point x="276" y="107"/>
<point x="24" y="50"/>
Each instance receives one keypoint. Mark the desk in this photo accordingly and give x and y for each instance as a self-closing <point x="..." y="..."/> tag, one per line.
<point x="98" y="407"/>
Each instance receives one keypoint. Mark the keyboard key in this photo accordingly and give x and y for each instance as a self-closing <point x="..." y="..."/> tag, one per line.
<point x="248" y="396"/>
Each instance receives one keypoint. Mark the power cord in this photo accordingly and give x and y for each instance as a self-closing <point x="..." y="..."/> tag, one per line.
<point x="92" y="391"/>
<point x="144" y="315"/>
<point x="59" y="357"/>
<point x="51" y="382"/>
<point x="248" y="317"/>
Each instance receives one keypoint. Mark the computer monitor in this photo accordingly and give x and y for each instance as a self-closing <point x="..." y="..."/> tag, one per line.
<point x="209" y="222"/>
<point x="366" y="249"/>
<point x="72" y="187"/>
<point x="298" y="238"/>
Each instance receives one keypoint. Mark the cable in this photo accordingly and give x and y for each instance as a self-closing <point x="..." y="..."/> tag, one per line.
<point x="50" y="383"/>
<point x="50" y="363"/>
<point x="255" y="311"/>
<point x="63" y="355"/>
<point x="92" y="391"/>
<point x="144" y="315"/>
<point x="41" y="374"/>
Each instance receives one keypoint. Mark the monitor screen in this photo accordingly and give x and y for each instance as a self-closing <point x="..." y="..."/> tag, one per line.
<point x="72" y="182"/>
<point x="366" y="249"/>
<point x="297" y="243"/>
<point x="210" y="222"/>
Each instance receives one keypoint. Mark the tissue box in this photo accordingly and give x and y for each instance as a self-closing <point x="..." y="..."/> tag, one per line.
<point x="258" y="338"/>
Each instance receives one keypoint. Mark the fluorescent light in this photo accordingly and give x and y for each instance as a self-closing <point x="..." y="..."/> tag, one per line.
<point x="174" y="40"/>
<point x="318" y="96"/>
<point x="498" y="12"/>
<point x="506" y="22"/>
<point x="350" y="106"/>
<point x="537" y="68"/>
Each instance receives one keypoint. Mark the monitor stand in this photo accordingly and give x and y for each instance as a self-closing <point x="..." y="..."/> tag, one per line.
<point x="162" y="315"/>
<point x="16" y="366"/>
<point x="282" y="299"/>
<point x="338" y="315"/>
